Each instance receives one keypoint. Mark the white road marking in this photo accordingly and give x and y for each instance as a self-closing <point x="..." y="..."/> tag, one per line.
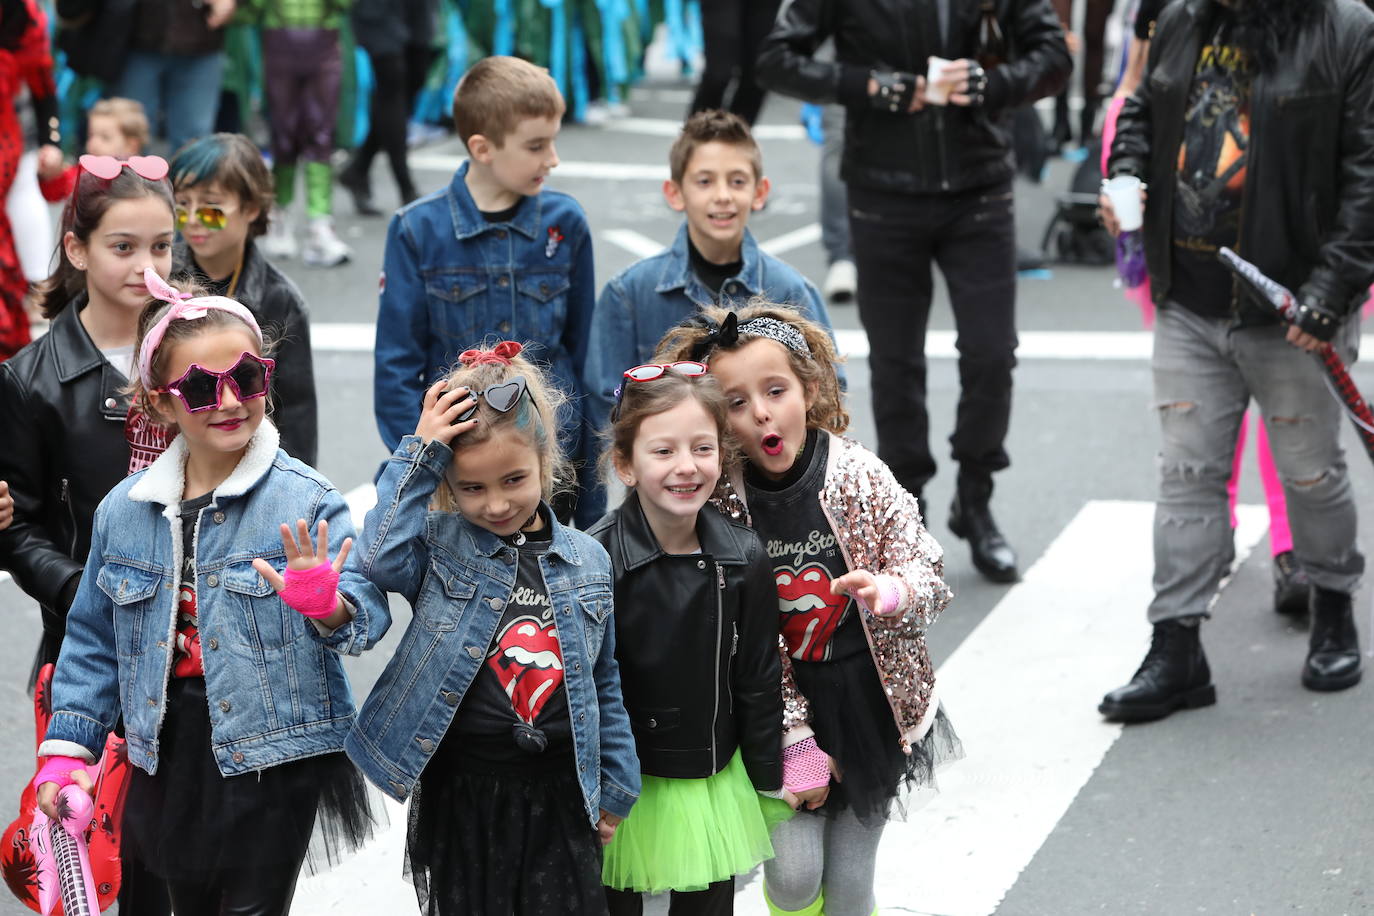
<point x="360" y="501"/>
<point x="636" y="243"/>
<point x="667" y="127"/>
<point x="788" y="241"/>
<point x="1069" y="631"/>
<point x="603" y="171"/>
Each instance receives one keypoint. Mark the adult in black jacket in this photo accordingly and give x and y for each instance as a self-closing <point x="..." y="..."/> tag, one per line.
<point x="931" y="182"/>
<point x="1253" y="130"/>
<point x="280" y="308"/>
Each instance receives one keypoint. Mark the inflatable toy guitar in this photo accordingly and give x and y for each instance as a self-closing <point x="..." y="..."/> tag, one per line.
<point x="69" y="866"/>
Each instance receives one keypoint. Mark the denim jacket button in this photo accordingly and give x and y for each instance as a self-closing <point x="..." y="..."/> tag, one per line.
<point x="500" y="233"/>
<point x="238" y="756"/>
<point x="543" y="289"/>
<point x="214" y="643"/>
<point x="412" y="447"/>
<point x="474" y="652"/>
<point x="503" y="281"/>
<point x="496" y="603"/>
<point x="212" y="580"/>
<point x="577" y="666"/>
<point x="219" y="518"/>
<point x="504" y="327"/>
<point x="427" y="745"/>
<point x="451" y="697"/>
<point x="224" y="706"/>
<point x="152" y="702"/>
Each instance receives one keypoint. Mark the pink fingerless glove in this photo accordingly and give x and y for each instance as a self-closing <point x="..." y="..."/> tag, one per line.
<point x="58" y="770"/>
<point x="313" y="592"/>
<point x="889" y="596"/>
<point x="804" y="766"/>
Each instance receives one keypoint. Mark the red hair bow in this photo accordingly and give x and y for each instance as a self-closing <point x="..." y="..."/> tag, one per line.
<point x="502" y="353"/>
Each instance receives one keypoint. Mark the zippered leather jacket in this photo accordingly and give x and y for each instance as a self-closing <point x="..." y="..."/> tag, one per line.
<point x="697" y="642"/>
<point x="62" y="409"/>
<point x="1307" y="217"/>
<point x="940" y="148"/>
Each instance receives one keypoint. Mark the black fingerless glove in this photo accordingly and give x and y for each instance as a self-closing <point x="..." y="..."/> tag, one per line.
<point x="1315" y="318"/>
<point x="896" y="89"/>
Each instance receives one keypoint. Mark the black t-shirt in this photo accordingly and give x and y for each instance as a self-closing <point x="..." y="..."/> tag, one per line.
<point x="187" y="660"/>
<point x="1145" y="16"/>
<point x="712" y="276"/>
<point x="1210" y="178"/>
<point x="502" y="216"/>
<point x="806" y="558"/>
<point x="522" y="679"/>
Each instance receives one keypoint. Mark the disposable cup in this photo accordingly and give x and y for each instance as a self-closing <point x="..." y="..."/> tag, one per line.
<point x="1124" y="193"/>
<point x="937" y="91"/>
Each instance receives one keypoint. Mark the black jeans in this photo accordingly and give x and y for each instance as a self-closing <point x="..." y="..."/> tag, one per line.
<point x="399" y="77"/>
<point x="733" y="32"/>
<point x="717" y="899"/>
<point x="971" y="235"/>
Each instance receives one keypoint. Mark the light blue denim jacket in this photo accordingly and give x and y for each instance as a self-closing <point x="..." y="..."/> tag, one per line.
<point x="451" y="281"/>
<point x="457" y="578"/>
<point x="639" y="305"/>
<point x="276" y="683"/>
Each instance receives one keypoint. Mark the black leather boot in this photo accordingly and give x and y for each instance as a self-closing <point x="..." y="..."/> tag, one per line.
<point x="1333" y="654"/>
<point x="1174" y="675"/>
<point x="1292" y="588"/>
<point x="971" y="519"/>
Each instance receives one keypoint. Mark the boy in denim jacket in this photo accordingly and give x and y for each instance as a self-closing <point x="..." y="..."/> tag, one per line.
<point x="493" y="255"/>
<point x="716" y="180"/>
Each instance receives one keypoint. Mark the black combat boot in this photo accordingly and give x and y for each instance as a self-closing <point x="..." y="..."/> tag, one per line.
<point x="971" y="519"/>
<point x="1333" y="654"/>
<point x="1292" y="588"/>
<point x="1174" y="675"/>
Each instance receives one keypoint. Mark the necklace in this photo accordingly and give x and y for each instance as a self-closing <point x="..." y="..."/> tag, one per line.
<point x="519" y="538"/>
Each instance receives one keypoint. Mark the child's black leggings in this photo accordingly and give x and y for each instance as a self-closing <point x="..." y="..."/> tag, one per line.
<point x="264" y="893"/>
<point x="717" y="900"/>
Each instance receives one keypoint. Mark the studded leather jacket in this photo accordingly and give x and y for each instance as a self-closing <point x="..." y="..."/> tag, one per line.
<point x="879" y="529"/>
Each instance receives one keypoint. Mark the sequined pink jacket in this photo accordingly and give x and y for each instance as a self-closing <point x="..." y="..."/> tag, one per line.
<point x="879" y="529"/>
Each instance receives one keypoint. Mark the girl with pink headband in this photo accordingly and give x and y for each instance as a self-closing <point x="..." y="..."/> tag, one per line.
<point x="216" y="630"/>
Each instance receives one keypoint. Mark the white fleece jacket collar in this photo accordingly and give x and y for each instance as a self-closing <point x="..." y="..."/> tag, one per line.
<point x="165" y="479"/>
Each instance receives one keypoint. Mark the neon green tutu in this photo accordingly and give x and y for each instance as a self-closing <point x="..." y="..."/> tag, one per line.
<point x="684" y="834"/>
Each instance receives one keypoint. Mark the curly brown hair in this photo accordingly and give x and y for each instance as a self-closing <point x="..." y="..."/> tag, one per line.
<point x="817" y="372"/>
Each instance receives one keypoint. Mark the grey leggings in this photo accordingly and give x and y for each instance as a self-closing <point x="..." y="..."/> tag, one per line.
<point x="816" y="852"/>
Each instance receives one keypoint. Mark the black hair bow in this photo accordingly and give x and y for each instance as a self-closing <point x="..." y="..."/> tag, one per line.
<point x="718" y="334"/>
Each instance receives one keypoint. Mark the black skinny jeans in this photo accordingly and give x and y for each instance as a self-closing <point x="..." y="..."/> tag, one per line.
<point x="971" y="235"/>
<point x="733" y="32"/>
<point x="399" y="78"/>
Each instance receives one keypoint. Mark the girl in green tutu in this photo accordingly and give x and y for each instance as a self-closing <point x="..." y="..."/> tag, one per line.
<point x="696" y="629"/>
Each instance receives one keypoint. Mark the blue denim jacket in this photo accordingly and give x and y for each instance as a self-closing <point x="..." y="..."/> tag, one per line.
<point x="457" y="578"/>
<point x="647" y="298"/>
<point x="451" y="281"/>
<point x="276" y="684"/>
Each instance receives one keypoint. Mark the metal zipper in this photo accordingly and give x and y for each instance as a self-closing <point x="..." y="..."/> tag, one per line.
<point x="720" y="624"/>
<point x="940" y="144"/>
<point x="66" y="498"/>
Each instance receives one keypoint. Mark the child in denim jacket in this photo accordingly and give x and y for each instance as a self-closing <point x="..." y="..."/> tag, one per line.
<point x="501" y="710"/>
<point x="493" y="255"/>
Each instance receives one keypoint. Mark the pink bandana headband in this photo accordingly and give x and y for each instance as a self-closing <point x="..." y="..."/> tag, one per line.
<point x="183" y="307"/>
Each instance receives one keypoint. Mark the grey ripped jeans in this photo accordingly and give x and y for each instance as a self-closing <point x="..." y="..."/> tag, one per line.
<point x="1205" y="373"/>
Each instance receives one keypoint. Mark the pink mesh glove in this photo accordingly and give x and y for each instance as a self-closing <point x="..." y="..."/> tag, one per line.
<point x="313" y="592"/>
<point x="58" y="770"/>
<point x="804" y="766"/>
<point x="889" y="596"/>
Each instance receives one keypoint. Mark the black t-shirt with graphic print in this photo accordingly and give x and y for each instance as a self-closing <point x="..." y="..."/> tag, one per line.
<point x="806" y="558"/>
<point x="1210" y="176"/>
<point x="521" y="679"/>
<point x="186" y="660"/>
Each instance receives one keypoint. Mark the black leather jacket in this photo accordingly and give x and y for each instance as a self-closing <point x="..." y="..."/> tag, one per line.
<point x="1307" y="216"/>
<point x="280" y="309"/>
<point x="62" y="413"/>
<point x="703" y="675"/>
<point x="937" y="149"/>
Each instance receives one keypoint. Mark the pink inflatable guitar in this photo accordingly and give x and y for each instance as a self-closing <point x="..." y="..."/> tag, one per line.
<point x="62" y="859"/>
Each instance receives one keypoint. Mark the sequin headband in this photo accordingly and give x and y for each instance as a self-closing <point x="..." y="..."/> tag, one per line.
<point x="184" y="308"/>
<point x="730" y="330"/>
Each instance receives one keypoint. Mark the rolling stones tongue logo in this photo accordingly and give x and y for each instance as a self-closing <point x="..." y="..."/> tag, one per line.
<point x="527" y="662"/>
<point x="810" y="614"/>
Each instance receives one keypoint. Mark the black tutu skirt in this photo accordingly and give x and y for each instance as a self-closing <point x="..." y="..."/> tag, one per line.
<point x="188" y="822"/>
<point x="491" y="838"/>
<point x="853" y="723"/>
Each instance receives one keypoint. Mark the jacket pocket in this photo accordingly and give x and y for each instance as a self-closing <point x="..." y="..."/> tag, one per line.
<point x="443" y="597"/>
<point x="452" y="297"/>
<point x="135" y="594"/>
<point x="596" y="611"/>
<point x="252" y="615"/>
<point x="655" y="720"/>
<point x="543" y="303"/>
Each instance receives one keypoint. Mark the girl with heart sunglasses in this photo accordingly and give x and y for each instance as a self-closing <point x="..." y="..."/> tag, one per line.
<point x="528" y="756"/>
<point x="264" y="763"/>
<point x="858" y="582"/>
<point x="696" y="630"/>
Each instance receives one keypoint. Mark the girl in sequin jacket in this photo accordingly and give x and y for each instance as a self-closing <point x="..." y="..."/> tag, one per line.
<point x="859" y="581"/>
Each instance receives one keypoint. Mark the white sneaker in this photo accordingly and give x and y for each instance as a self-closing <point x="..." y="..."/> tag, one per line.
<point x="280" y="240"/>
<point x="323" y="247"/>
<point x="841" y="281"/>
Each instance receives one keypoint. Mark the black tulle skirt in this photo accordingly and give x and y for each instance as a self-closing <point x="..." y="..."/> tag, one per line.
<point x="854" y="724"/>
<point x="495" y="839"/>
<point x="188" y="822"/>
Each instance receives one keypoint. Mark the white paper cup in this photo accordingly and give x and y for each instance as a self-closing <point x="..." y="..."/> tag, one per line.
<point x="937" y="91"/>
<point x="1124" y="193"/>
